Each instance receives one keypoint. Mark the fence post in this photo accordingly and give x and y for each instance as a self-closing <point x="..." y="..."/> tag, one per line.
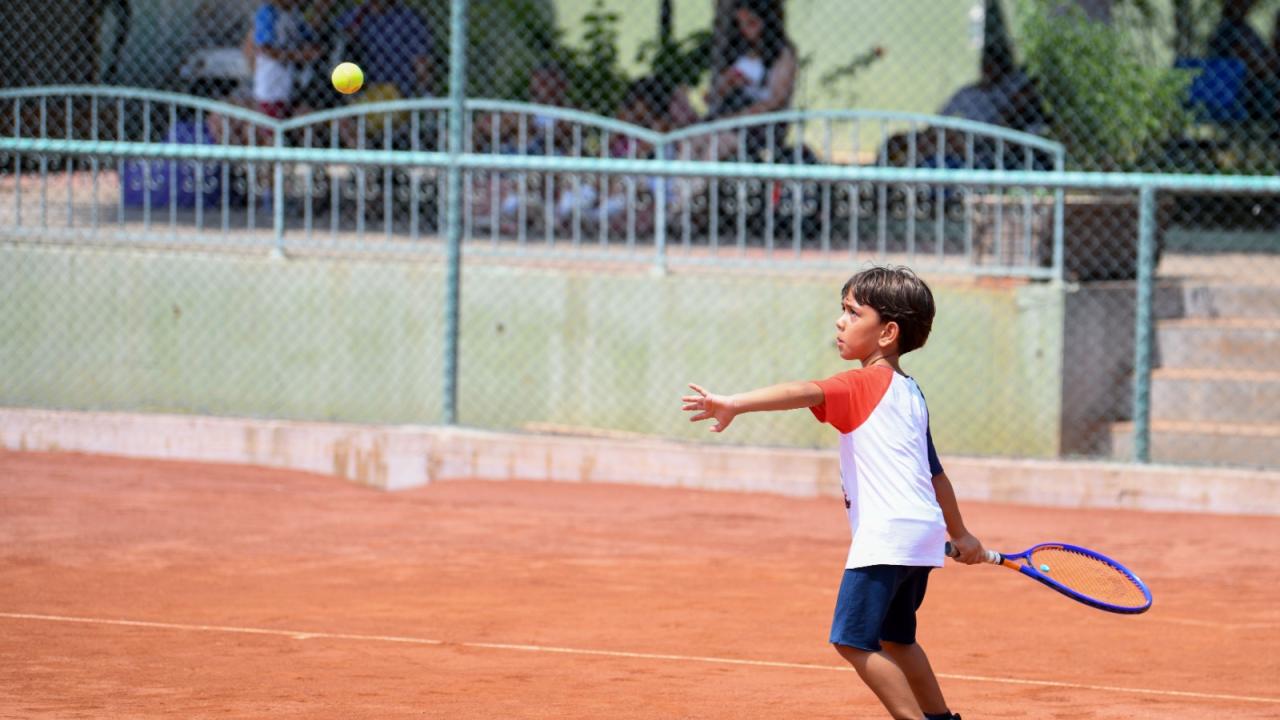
<point x="1059" y="211"/>
<point x="660" y="215"/>
<point x="453" y="200"/>
<point x="1143" y="329"/>
<point x="277" y="198"/>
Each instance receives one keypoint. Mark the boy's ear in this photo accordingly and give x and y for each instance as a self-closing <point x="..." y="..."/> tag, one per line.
<point x="889" y="334"/>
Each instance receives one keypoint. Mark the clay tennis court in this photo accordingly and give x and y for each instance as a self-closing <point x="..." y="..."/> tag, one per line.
<point x="139" y="589"/>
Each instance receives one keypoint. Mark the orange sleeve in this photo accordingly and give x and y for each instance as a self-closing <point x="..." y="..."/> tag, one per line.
<point x="849" y="397"/>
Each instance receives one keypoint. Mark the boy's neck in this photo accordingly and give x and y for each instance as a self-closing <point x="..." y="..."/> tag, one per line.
<point x="878" y="360"/>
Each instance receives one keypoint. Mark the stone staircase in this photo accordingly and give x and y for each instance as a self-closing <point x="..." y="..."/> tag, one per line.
<point x="1215" y="385"/>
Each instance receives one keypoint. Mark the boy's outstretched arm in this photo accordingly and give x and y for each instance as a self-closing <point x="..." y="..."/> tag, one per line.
<point x="724" y="408"/>
<point x="968" y="546"/>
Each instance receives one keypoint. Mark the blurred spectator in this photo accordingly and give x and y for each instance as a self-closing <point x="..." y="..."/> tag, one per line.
<point x="1235" y="38"/>
<point x="654" y="105"/>
<point x="646" y="103"/>
<point x="219" y="23"/>
<point x="761" y="77"/>
<point x="391" y="43"/>
<point x="549" y="86"/>
<point x="393" y="46"/>
<point x="315" y="92"/>
<point x="987" y="100"/>
<point x="522" y="134"/>
<point x="1275" y="35"/>
<point x="283" y="43"/>
<point x="1275" y="53"/>
<point x="527" y="134"/>
<point x="1003" y="95"/>
<point x="218" y="61"/>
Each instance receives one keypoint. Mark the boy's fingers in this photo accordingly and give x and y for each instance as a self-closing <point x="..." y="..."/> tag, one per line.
<point x="700" y="416"/>
<point x="697" y="389"/>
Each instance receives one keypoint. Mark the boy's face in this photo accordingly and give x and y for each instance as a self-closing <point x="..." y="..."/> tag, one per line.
<point x="859" y="331"/>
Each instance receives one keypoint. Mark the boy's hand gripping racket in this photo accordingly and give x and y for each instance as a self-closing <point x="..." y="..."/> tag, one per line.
<point x="1081" y="574"/>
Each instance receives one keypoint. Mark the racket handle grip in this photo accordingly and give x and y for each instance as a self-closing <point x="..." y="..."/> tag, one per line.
<point x="990" y="556"/>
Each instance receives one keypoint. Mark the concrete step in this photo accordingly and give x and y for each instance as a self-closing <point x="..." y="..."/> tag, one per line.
<point x="1204" y="443"/>
<point x="1225" y="343"/>
<point x="1215" y="395"/>
<point x="1206" y="299"/>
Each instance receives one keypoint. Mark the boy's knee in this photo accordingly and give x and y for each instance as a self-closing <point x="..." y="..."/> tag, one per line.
<point x="849" y="652"/>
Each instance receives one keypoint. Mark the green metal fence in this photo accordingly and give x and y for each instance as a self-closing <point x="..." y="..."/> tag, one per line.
<point x="1096" y="300"/>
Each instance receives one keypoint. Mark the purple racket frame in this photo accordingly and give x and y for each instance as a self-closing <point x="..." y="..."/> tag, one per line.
<point x="1029" y="569"/>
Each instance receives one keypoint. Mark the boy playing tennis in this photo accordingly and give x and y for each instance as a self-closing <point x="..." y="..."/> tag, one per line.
<point x="900" y="503"/>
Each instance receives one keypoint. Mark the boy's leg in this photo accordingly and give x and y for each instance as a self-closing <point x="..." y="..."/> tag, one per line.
<point x="865" y="600"/>
<point x="914" y="664"/>
<point x="899" y="642"/>
<point x="886" y="680"/>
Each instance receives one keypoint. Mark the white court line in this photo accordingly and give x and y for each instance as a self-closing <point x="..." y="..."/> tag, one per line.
<point x="308" y="634"/>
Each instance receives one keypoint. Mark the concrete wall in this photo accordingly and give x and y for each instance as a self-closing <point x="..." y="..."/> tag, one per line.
<point x="1097" y="377"/>
<point x="359" y="340"/>
<point x="400" y="457"/>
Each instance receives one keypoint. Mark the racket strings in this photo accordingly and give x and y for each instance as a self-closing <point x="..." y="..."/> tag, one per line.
<point x="1089" y="576"/>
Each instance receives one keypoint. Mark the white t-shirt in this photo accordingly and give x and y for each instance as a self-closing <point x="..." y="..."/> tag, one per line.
<point x="887" y="466"/>
<point x="756" y="75"/>
<point x="273" y="80"/>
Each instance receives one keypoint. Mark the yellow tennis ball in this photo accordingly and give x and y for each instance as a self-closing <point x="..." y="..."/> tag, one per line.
<point x="347" y="78"/>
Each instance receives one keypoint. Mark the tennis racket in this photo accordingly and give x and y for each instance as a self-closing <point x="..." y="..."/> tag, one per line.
<point x="1079" y="573"/>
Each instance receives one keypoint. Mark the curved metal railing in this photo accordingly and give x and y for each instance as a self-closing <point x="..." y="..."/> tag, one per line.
<point x="802" y="188"/>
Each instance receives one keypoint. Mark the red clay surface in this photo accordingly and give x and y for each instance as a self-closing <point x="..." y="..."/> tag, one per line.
<point x="263" y="593"/>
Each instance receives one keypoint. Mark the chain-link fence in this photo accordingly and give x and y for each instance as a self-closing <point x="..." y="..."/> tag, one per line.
<point x="197" y="221"/>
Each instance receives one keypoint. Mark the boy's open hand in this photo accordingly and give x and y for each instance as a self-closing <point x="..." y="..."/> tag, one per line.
<point x="707" y="405"/>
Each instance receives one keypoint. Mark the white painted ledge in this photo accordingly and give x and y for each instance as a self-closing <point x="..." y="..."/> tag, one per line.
<point x="399" y="457"/>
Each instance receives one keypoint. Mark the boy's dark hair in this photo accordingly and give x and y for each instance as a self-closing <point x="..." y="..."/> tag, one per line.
<point x="900" y="296"/>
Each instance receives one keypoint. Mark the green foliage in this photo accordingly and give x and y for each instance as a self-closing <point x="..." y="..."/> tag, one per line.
<point x="1111" y="109"/>
<point x="678" y="61"/>
<point x="596" y="81"/>
<point x="838" y="80"/>
<point x="499" y="57"/>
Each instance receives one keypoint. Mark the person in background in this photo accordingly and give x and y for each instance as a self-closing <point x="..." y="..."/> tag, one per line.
<point x="1275" y="53"/>
<point x="1003" y="95"/>
<point x="1275" y="35"/>
<point x="315" y="91"/>
<point x="283" y="42"/>
<point x="393" y="45"/>
<point x="652" y="104"/>
<point x="760" y="79"/>
<point x="548" y="86"/>
<point x="1235" y="38"/>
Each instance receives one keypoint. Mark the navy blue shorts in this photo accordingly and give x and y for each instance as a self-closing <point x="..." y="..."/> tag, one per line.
<point x="877" y="603"/>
